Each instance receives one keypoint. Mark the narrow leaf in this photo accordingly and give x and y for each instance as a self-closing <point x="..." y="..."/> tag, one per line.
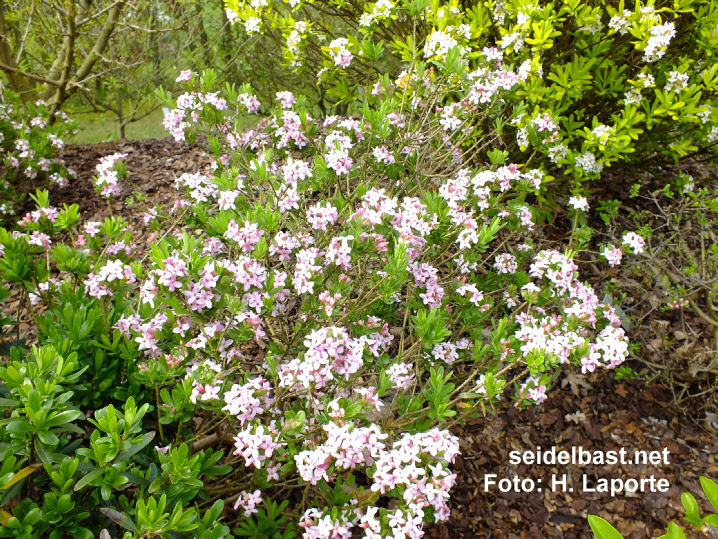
<point x="119" y="518"/>
<point x="97" y="472"/>
<point x="19" y="476"/>
<point x="136" y="448"/>
<point x="711" y="490"/>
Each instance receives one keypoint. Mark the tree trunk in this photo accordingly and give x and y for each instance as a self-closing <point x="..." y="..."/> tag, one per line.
<point x="225" y="43"/>
<point x="120" y="115"/>
<point x="68" y="47"/>
<point x="154" y="47"/>
<point x="101" y="42"/>
<point x="203" y="39"/>
<point x="18" y="83"/>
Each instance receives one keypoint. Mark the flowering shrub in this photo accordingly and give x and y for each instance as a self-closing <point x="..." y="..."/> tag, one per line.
<point x="345" y="290"/>
<point x="592" y="83"/>
<point x="28" y="144"/>
<point x="333" y="294"/>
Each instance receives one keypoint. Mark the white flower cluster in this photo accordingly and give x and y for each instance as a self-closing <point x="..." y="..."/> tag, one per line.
<point x="676" y="82"/>
<point x="661" y="36"/>
<point x="439" y="44"/>
<point x="621" y="22"/>
<point x="376" y="12"/>
<point x="588" y="163"/>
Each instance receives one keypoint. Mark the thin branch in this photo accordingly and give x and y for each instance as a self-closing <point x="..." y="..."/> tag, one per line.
<point x="32" y="76"/>
<point x="98" y="14"/>
<point x="27" y="31"/>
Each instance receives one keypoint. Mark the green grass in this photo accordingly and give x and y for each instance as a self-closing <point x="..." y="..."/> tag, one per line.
<point x="97" y="127"/>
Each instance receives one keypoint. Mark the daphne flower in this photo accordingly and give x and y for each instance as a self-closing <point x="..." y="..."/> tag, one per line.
<point x="613" y="254"/>
<point x="634" y="241"/>
<point x="185" y="76"/>
<point x="579" y="203"/>
<point x="248" y="501"/>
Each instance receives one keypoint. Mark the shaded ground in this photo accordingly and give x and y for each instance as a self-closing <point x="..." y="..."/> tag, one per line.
<point x="153" y="165"/>
<point x="595" y="412"/>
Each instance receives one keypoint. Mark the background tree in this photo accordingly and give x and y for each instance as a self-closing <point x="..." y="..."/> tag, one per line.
<point x="56" y="44"/>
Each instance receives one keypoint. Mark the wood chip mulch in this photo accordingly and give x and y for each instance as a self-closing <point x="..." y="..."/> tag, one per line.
<point x="597" y="413"/>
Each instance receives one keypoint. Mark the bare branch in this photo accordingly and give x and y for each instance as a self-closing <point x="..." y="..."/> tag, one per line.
<point x="27" y="31"/>
<point x="134" y="118"/>
<point x="22" y="73"/>
<point x="149" y="30"/>
<point x="102" y="39"/>
<point x="99" y="13"/>
<point x="56" y="7"/>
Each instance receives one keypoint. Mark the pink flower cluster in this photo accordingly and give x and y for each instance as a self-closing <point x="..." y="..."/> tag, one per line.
<point x="446" y="352"/>
<point x="634" y="241"/>
<point x="178" y="120"/>
<point x="331" y="353"/>
<point x="613" y="254"/>
<point x="426" y="277"/>
<point x="552" y="335"/>
<point x="250" y="102"/>
<point x="248" y="501"/>
<point x="346" y="447"/>
<point x="341" y="55"/>
<point x="318" y="525"/>
<point x="107" y="180"/>
<point x="536" y="392"/>
<point x="200" y="295"/>
<point x="319" y="216"/>
<point x="505" y="263"/>
<point x="112" y="273"/>
<point x="241" y="402"/>
<point x="246" y="237"/>
<point x="50" y="213"/>
<point x="305" y="270"/>
<point x="254" y="445"/>
<point x="418" y="462"/>
<point x="401" y="375"/>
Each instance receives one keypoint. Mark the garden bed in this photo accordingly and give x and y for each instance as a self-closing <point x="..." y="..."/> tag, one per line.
<point x="595" y="411"/>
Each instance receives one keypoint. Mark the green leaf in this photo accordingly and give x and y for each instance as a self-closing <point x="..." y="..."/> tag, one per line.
<point x="97" y="472"/>
<point x="136" y="448"/>
<point x="47" y="438"/>
<point x="17" y="427"/>
<point x="711" y="491"/>
<point x="119" y="518"/>
<point x="136" y="479"/>
<point x="602" y="529"/>
<point x="674" y="532"/>
<point x="63" y="417"/>
<point x="693" y="513"/>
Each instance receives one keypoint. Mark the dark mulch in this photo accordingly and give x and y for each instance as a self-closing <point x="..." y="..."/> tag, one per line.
<point x="595" y="413"/>
<point x="153" y="165"/>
